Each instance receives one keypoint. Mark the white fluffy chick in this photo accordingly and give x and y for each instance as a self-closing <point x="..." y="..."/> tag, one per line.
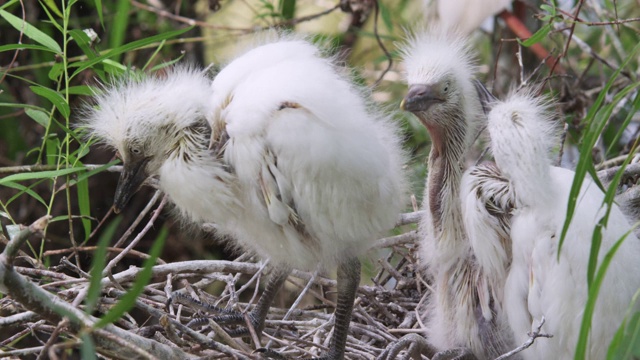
<point x="539" y="283"/>
<point x="300" y="168"/>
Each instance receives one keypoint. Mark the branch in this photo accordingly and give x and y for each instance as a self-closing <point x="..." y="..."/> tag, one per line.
<point x="532" y="337"/>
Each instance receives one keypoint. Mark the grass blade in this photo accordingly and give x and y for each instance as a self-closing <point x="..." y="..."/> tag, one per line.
<point x="128" y="300"/>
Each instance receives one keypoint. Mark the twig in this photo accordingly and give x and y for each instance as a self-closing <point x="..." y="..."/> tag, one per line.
<point x="376" y="7"/>
<point x="532" y="337"/>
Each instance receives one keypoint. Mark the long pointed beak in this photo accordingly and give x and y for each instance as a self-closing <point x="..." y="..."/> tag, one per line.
<point x="131" y="177"/>
<point x="420" y="97"/>
<point x="487" y="100"/>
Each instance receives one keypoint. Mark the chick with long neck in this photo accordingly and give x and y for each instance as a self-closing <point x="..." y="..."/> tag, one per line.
<point x="464" y="310"/>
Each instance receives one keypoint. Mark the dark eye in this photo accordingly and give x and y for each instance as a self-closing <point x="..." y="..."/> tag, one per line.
<point x="446" y="87"/>
<point x="135" y="151"/>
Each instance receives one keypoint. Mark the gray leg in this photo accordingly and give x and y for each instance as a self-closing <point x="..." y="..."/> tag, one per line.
<point x="348" y="281"/>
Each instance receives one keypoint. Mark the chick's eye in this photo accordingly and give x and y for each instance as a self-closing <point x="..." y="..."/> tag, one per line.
<point x="135" y="151"/>
<point x="446" y="87"/>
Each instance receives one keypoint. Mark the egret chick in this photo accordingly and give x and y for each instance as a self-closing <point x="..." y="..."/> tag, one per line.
<point x="523" y="133"/>
<point x="465" y="243"/>
<point x="282" y="153"/>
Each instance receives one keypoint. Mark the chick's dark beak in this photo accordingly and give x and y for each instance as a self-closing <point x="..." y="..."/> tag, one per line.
<point x="132" y="176"/>
<point x="420" y="98"/>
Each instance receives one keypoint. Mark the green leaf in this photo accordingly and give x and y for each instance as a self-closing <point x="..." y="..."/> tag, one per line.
<point x="585" y="163"/>
<point x="287" y="9"/>
<point x="52" y="148"/>
<point x="56" y="99"/>
<point x="87" y="90"/>
<point x="31" y="32"/>
<point x="40" y="175"/>
<point x="594" y="290"/>
<point x="100" y="169"/>
<point x="11" y="47"/>
<point x="84" y="42"/>
<point x="385" y="14"/>
<point x="84" y="205"/>
<point x="24" y="189"/>
<point x="39" y="116"/>
<point x="87" y="348"/>
<point x="626" y="343"/>
<point x="56" y="72"/>
<point x="53" y="7"/>
<point x="128" y="300"/>
<point x="98" y="4"/>
<point x="128" y="47"/>
<point x="98" y="263"/>
<point x="537" y="37"/>
<point x="118" y="26"/>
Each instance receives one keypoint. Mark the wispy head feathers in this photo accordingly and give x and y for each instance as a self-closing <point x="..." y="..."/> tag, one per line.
<point x="134" y="106"/>
<point x="436" y="52"/>
<point x="524" y="132"/>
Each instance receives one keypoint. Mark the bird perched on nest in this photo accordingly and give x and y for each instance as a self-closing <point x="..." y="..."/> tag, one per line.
<point x="466" y="265"/>
<point x="541" y="284"/>
<point x="282" y="152"/>
<point x="482" y="232"/>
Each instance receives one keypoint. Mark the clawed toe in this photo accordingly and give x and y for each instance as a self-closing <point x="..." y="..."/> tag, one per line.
<point x="417" y="346"/>
<point x="226" y="317"/>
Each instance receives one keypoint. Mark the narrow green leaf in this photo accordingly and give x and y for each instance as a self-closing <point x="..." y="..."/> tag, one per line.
<point x="86" y="90"/>
<point x="127" y="47"/>
<point x="87" y="348"/>
<point x="52" y="149"/>
<point x="594" y="290"/>
<point x="84" y="206"/>
<point x="55" y="72"/>
<point x="128" y="300"/>
<point x="98" y="4"/>
<point x="118" y="27"/>
<point x="385" y="14"/>
<point x="12" y="47"/>
<point x="97" y="265"/>
<point x="551" y="10"/>
<point x="24" y="189"/>
<point x="166" y="64"/>
<point x="40" y="175"/>
<point x="100" y="169"/>
<point x="8" y="3"/>
<point x="56" y="99"/>
<point x="31" y="31"/>
<point x="82" y="39"/>
<point x="626" y="342"/>
<point x="287" y="9"/>
<point x="635" y="107"/>
<point x="39" y="116"/>
<point x="537" y="36"/>
<point x="585" y="162"/>
<point x="53" y="7"/>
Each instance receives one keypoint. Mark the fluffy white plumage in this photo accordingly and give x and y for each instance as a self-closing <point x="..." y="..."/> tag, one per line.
<point x="538" y="285"/>
<point x="465" y="244"/>
<point x="468" y="15"/>
<point x="337" y="163"/>
<point x="283" y="153"/>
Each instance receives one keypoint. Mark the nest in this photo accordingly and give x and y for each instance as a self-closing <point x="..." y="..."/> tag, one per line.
<point x="172" y="317"/>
